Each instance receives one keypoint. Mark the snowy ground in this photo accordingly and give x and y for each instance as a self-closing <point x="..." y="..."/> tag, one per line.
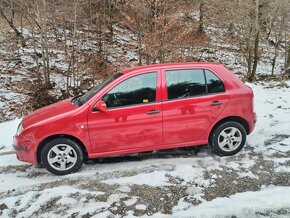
<point x="175" y="183"/>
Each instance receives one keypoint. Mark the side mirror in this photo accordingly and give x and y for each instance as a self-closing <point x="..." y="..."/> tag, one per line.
<point x="101" y="106"/>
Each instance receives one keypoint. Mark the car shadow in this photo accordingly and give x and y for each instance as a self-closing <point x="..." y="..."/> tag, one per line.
<point x="185" y="152"/>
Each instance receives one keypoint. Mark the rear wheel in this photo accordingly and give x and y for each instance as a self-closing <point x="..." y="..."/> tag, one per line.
<point x="228" y="138"/>
<point x="62" y="156"/>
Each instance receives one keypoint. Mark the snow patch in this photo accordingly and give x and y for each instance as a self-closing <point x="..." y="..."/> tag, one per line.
<point x="241" y="204"/>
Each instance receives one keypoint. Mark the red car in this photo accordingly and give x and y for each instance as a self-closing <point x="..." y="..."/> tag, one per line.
<point x="141" y="109"/>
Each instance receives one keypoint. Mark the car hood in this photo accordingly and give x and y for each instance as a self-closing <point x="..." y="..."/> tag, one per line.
<point x="48" y="112"/>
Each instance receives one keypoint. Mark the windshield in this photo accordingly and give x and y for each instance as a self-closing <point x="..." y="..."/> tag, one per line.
<point x="89" y="94"/>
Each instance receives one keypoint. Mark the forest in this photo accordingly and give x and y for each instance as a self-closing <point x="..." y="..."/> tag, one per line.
<point x="51" y="50"/>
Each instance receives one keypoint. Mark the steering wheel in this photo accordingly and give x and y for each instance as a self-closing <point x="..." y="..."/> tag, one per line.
<point x="116" y="99"/>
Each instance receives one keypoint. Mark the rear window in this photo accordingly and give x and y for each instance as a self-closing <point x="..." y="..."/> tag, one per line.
<point x="214" y="84"/>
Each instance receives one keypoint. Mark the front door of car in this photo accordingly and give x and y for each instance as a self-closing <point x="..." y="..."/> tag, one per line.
<point x="194" y="99"/>
<point x="133" y="119"/>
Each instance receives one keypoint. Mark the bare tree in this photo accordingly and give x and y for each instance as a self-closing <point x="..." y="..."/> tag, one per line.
<point x="248" y="19"/>
<point x="158" y="26"/>
<point x="72" y="56"/>
<point x="11" y="19"/>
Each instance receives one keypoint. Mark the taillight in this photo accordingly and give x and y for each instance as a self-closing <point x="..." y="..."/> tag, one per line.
<point x="253" y="102"/>
<point x="252" y="92"/>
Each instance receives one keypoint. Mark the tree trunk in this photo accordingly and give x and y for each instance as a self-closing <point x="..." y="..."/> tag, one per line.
<point x="255" y="58"/>
<point x="273" y="65"/>
<point x="72" y="57"/>
<point x="287" y="57"/>
<point x="255" y="48"/>
<point x="200" y="30"/>
<point x="249" y="63"/>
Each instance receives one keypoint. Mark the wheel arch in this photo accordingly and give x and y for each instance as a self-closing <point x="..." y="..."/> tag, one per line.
<point x="237" y="119"/>
<point x="49" y="138"/>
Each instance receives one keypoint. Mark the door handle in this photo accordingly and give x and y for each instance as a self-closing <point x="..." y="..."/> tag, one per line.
<point x="153" y="112"/>
<point x="216" y="103"/>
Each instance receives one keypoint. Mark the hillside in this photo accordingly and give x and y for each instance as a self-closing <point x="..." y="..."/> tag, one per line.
<point x="50" y="51"/>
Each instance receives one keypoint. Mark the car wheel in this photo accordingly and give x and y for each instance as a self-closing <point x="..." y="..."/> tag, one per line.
<point x="228" y="138"/>
<point x="62" y="156"/>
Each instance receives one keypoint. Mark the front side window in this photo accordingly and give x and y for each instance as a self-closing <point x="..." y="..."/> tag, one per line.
<point x="185" y="83"/>
<point x="93" y="91"/>
<point x="140" y="89"/>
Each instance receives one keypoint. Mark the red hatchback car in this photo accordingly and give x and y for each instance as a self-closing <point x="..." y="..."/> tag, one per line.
<point x="141" y="109"/>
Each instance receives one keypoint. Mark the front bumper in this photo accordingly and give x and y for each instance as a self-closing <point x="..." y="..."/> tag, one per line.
<point x="19" y="148"/>
<point x="24" y="150"/>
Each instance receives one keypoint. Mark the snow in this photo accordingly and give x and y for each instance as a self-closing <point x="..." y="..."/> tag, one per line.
<point x="9" y="159"/>
<point x="131" y="201"/>
<point x="46" y="195"/>
<point x="7" y="131"/>
<point x="272" y="108"/>
<point x="5" y="182"/>
<point x="153" y="179"/>
<point x="140" y="207"/>
<point x="244" y="204"/>
<point x="125" y="188"/>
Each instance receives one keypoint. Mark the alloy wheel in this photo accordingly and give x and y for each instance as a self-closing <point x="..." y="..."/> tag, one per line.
<point x="229" y="139"/>
<point x="62" y="157"/>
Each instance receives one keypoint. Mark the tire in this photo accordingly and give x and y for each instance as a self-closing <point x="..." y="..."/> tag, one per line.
<point x="228" y="138"/>
<point x="62" y="156"/>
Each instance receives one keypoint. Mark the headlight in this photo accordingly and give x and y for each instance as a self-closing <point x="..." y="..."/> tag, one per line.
<point x="19" y="129"/>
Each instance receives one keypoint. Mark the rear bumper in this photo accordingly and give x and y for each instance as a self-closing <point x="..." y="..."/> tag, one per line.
<point x="252" y="122"/>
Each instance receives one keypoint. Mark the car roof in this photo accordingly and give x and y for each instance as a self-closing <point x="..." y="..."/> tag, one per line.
<point x="170" y="65"/>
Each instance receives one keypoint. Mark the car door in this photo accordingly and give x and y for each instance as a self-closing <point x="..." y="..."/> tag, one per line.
<point x="133" y="119"/>
<point x="191" y="104"/>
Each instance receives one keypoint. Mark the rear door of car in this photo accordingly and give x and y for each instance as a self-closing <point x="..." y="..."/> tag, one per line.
<point x="192" y="100"/>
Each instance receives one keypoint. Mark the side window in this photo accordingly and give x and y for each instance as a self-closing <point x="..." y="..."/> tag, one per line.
<point x="185" y="83"/>
<point x="214" y="84"/>
<point x="140" y="89"/>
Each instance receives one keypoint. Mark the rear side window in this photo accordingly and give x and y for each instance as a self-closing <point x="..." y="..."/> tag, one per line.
<point x="185" y="83"/>
<point x="214" y="84"/>
<point x="140" y="89"/>
<point x="188" y="83"/>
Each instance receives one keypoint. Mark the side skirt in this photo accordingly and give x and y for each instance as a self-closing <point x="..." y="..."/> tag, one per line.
<point x="152" y="148"/>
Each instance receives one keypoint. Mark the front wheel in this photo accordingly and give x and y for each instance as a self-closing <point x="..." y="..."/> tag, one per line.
<point x="62" y="156"/>
<point x="228" y="138"/>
